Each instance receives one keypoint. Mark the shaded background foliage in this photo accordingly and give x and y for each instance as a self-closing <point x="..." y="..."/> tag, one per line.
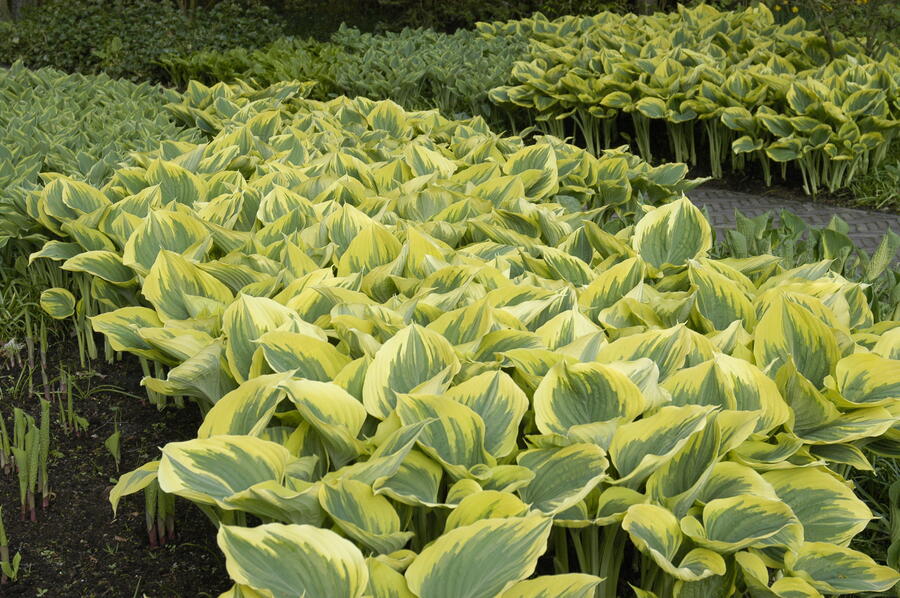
<point x="126" y="38"/>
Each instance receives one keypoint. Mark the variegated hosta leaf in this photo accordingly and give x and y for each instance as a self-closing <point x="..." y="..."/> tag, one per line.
<point x="719" y="300"/>
<point x="456" y="436"/>
<point x="122" y="329"/>
<point x="247" y="409"/>
<point x="465" y="325"/>
<point x="133" y="481"/>
<point x="372" y="247"/>
<point x="888" y="345"/>
<point x="485" y="504"/>
<point x="242" y="591"/>
<point x="175" y="343"/>
<point x="868" y="380"/>
<point x="731" y="524"/>
<point x="336" y="415"/>
<point x="246" y="321"/>
<point x="860" y="423"/>
<point x="536" y="165"/>
<point x="809" y="408"/>
<point x="304" y="355"/>
<point x="672" y="235"/>
<point x="203" y="375"/>
<point x="610" y="286"/>
<point x="562" y="477"/>
<point x="415" y="482"/>
<point x="827" y="507"/>
<point x="756" y="577"/>
<point x="501" y="404"/>
<point x="730" y="479"/>
<point x="639" y="593"/>
<point x="613" y="503"/>
<point x="678" y="482"/>
<point x="293" y="560"/>
<point x="642" y="446"/>
<point x="210" y="470"/>
<point x="385" y="581"/>
<point x="730" y="383"/>
<point x="102" y="264"/>
<point x="573" y="395"/>
<point x="296" y="504"/>
<point x="787" y="329"/>
<point x="654" y="530"/>
<point x="59" y="303"/>
<point x="386" y="459"/>
<point x="410" y="359"/>
<point x="176" y="183"/>
<point x="567" y="585"/>
<point x="162" y="230"/>
<point x="716" y="586"/>
<point x="482" y="559"/>
<point x="670" y="349"/>
<point x="836" y="570"/>
<point x="362" y="515"/>
<point x="179" y="290"/>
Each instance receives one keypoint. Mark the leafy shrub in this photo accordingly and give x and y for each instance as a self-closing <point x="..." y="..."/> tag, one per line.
<point x="124" y="38"/>
<point x="450" y="16"/>
<point x="320" y="18"/>
<point x="559" y="8"/>
<point x="416" y="344"/>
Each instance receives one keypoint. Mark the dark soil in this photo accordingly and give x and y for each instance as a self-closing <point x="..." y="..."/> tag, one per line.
<point x="77" y="548"/>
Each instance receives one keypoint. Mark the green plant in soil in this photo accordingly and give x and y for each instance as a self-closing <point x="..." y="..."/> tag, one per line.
<point x="9" y="569"/>
<point x="6" y="460"/>
<point x="44" y="453"/>
<point x="30" y="449"/>
<point x="879" y="189"/>
<point x="113" y="445"/>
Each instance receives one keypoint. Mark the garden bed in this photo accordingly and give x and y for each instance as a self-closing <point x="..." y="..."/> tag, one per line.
<point x="77" y="547"/>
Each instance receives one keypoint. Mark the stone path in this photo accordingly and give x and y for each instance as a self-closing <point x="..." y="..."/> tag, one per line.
<point x="866" y="227"/>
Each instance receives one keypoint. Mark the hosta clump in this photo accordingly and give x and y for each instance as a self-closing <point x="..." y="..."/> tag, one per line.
<point x="418" y="68"/>
<point x="77" y="125"/>
<point x="749" y="88"/>
<point x="797" y="243"/>
<point x="285" y="59"/>
<point x="428" y="371"/>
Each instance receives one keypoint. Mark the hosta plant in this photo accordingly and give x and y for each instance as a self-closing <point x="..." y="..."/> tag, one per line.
<point x="739" y="83"/>
<point x="796" y="243"/>
<point x="77" y="125"/>
<point x="435" y="362"/>
<point x="417" y="68"/>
